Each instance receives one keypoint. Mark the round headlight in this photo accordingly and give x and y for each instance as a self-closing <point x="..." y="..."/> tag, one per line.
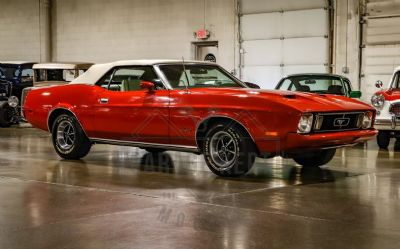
<point x="378" y="101"/>
<point x="367" y="120"/>
<point x="305" y="123"/>
<point x="13" y="101"/>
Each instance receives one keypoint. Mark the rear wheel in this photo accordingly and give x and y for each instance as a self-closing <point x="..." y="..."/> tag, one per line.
<point x="229" y="150"/>
<point x="6" y="113"/>
<point x="69" y="139"/>
<point x="315" y="158"/>
<point x="383" y="139"/>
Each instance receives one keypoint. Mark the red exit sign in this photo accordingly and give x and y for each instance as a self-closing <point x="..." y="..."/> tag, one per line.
<point x="202" y="34"/>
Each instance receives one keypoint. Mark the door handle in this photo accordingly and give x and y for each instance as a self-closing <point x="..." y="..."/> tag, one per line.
<point x="103" y="101"/>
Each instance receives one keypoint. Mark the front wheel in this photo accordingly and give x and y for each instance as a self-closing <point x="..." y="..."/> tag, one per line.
<point x="69" y="139"/>
<point x="229" y="150"/>
<point x="383" y="139"/>
<point x="315" y="158"/>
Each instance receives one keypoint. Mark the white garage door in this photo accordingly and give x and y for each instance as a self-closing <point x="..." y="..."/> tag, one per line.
<point x="381" y="39"/>
<point x="281" y="37"/>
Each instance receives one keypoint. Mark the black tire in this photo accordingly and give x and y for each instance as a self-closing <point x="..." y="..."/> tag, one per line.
<point x="154" y="150"/>
<point x="383" y="139"/>
<point x="315" y="158"/>
<point x="237" y="163"/>
<point x="5" y="114"/>
<point x="75" y="147"/>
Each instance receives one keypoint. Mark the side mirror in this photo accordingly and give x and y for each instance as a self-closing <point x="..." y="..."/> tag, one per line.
<point x="252" y="85"/>
<point x="355" y="94"/>
<point x="147" y="85"/>
<point x="379" y="84"/>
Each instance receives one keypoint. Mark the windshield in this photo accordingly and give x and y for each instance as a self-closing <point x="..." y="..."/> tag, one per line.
<point x="314" y="84"/>
<point x="199" y="76"/>
<point x="66" y="75"/>
<point x="8" y="73"/>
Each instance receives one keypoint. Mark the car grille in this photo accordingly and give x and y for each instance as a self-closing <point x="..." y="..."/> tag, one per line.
<point x="4" y="90"/>
<point x="23" y="97"/>
<point x="395" y="109"/>
<point x="338" y="121"/>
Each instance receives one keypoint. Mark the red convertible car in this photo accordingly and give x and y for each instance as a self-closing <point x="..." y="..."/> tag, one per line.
<point x="195" y="107"/>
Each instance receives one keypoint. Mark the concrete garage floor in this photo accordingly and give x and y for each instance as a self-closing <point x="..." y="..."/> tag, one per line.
<point x="118" y="197"/>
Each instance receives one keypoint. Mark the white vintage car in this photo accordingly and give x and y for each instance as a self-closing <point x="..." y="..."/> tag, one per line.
<point x="387" y="104"/>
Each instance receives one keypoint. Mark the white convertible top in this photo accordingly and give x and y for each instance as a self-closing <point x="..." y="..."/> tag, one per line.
<point x="63" y="65"/>
<point x="97" y="71"/>
<point x="17" y="62"/>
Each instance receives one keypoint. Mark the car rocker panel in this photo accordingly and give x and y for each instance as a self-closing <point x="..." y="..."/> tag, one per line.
<point x="195" y="107"/>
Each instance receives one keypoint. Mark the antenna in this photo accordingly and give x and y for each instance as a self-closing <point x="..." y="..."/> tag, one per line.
<point x="187" y="78"/>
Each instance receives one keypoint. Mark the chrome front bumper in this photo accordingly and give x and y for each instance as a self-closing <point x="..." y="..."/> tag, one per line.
<point x="388" y="124"/>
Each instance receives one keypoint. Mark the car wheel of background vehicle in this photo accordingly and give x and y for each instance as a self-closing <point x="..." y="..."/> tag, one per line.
<point x="154" y="150"/>
<point x="69" y="140"/>
<point x="315" y="158"/>
<point x="383" y="139"/>
<point x="229" y="150"/>
<point x="5" y="114"/>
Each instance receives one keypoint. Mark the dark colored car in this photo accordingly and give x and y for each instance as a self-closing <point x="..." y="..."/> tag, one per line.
<point x="320" y="83"/>
<point x="14" y="77"/>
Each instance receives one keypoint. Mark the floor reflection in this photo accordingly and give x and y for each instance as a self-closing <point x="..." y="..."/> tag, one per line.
<point x="174" y="197"/>
<point x="160" y="162"/>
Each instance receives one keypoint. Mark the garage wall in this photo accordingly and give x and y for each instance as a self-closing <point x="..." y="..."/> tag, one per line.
<point x="106" y="30"/>
<point x="283" y="37"/>
<point x="346" y="54"/>
<point x="381" y="43"/>
<point x="19" y="30"/>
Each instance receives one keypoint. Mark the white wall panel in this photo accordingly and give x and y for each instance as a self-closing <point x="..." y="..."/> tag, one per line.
<point x="305" y="23"/>
<point x="304" y="68"/>
<point x="262" y="52"/>
<point x="271" y="27"/>
<point x="379" y="62"/>
<point x="290" y="24"/>
<point x="19" y="30"/>
<point x="305" y="51"/>
<point x="381" y="54"/>
<point x="383" y="31"/>
<point x="263" y="6"/>
<point x="383" y="7"/>
<point x="267" y="77"/>
<point x="283" y="37"/>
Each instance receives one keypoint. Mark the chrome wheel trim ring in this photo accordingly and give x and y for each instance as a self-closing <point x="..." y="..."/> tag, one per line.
<point x="223" y="150"/>
<point x="65" y="135"/>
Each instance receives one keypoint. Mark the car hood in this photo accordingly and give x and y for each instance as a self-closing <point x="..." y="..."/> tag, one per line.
<point x="304" y="102"/>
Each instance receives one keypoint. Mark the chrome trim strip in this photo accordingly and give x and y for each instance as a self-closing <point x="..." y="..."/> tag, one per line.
<point x="162" y="77"/>
<point x="184" y="148"/>
<point x="339" y="130"/>
<point x="386" y="124"/>
<point x="339" y="113"/>
<point x="339" y="146"/>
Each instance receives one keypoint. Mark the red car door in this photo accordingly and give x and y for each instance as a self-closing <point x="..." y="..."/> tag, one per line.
<point x="124" y="111"/>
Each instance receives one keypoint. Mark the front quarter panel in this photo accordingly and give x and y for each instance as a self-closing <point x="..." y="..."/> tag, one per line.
<point x="268" y="121"/>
